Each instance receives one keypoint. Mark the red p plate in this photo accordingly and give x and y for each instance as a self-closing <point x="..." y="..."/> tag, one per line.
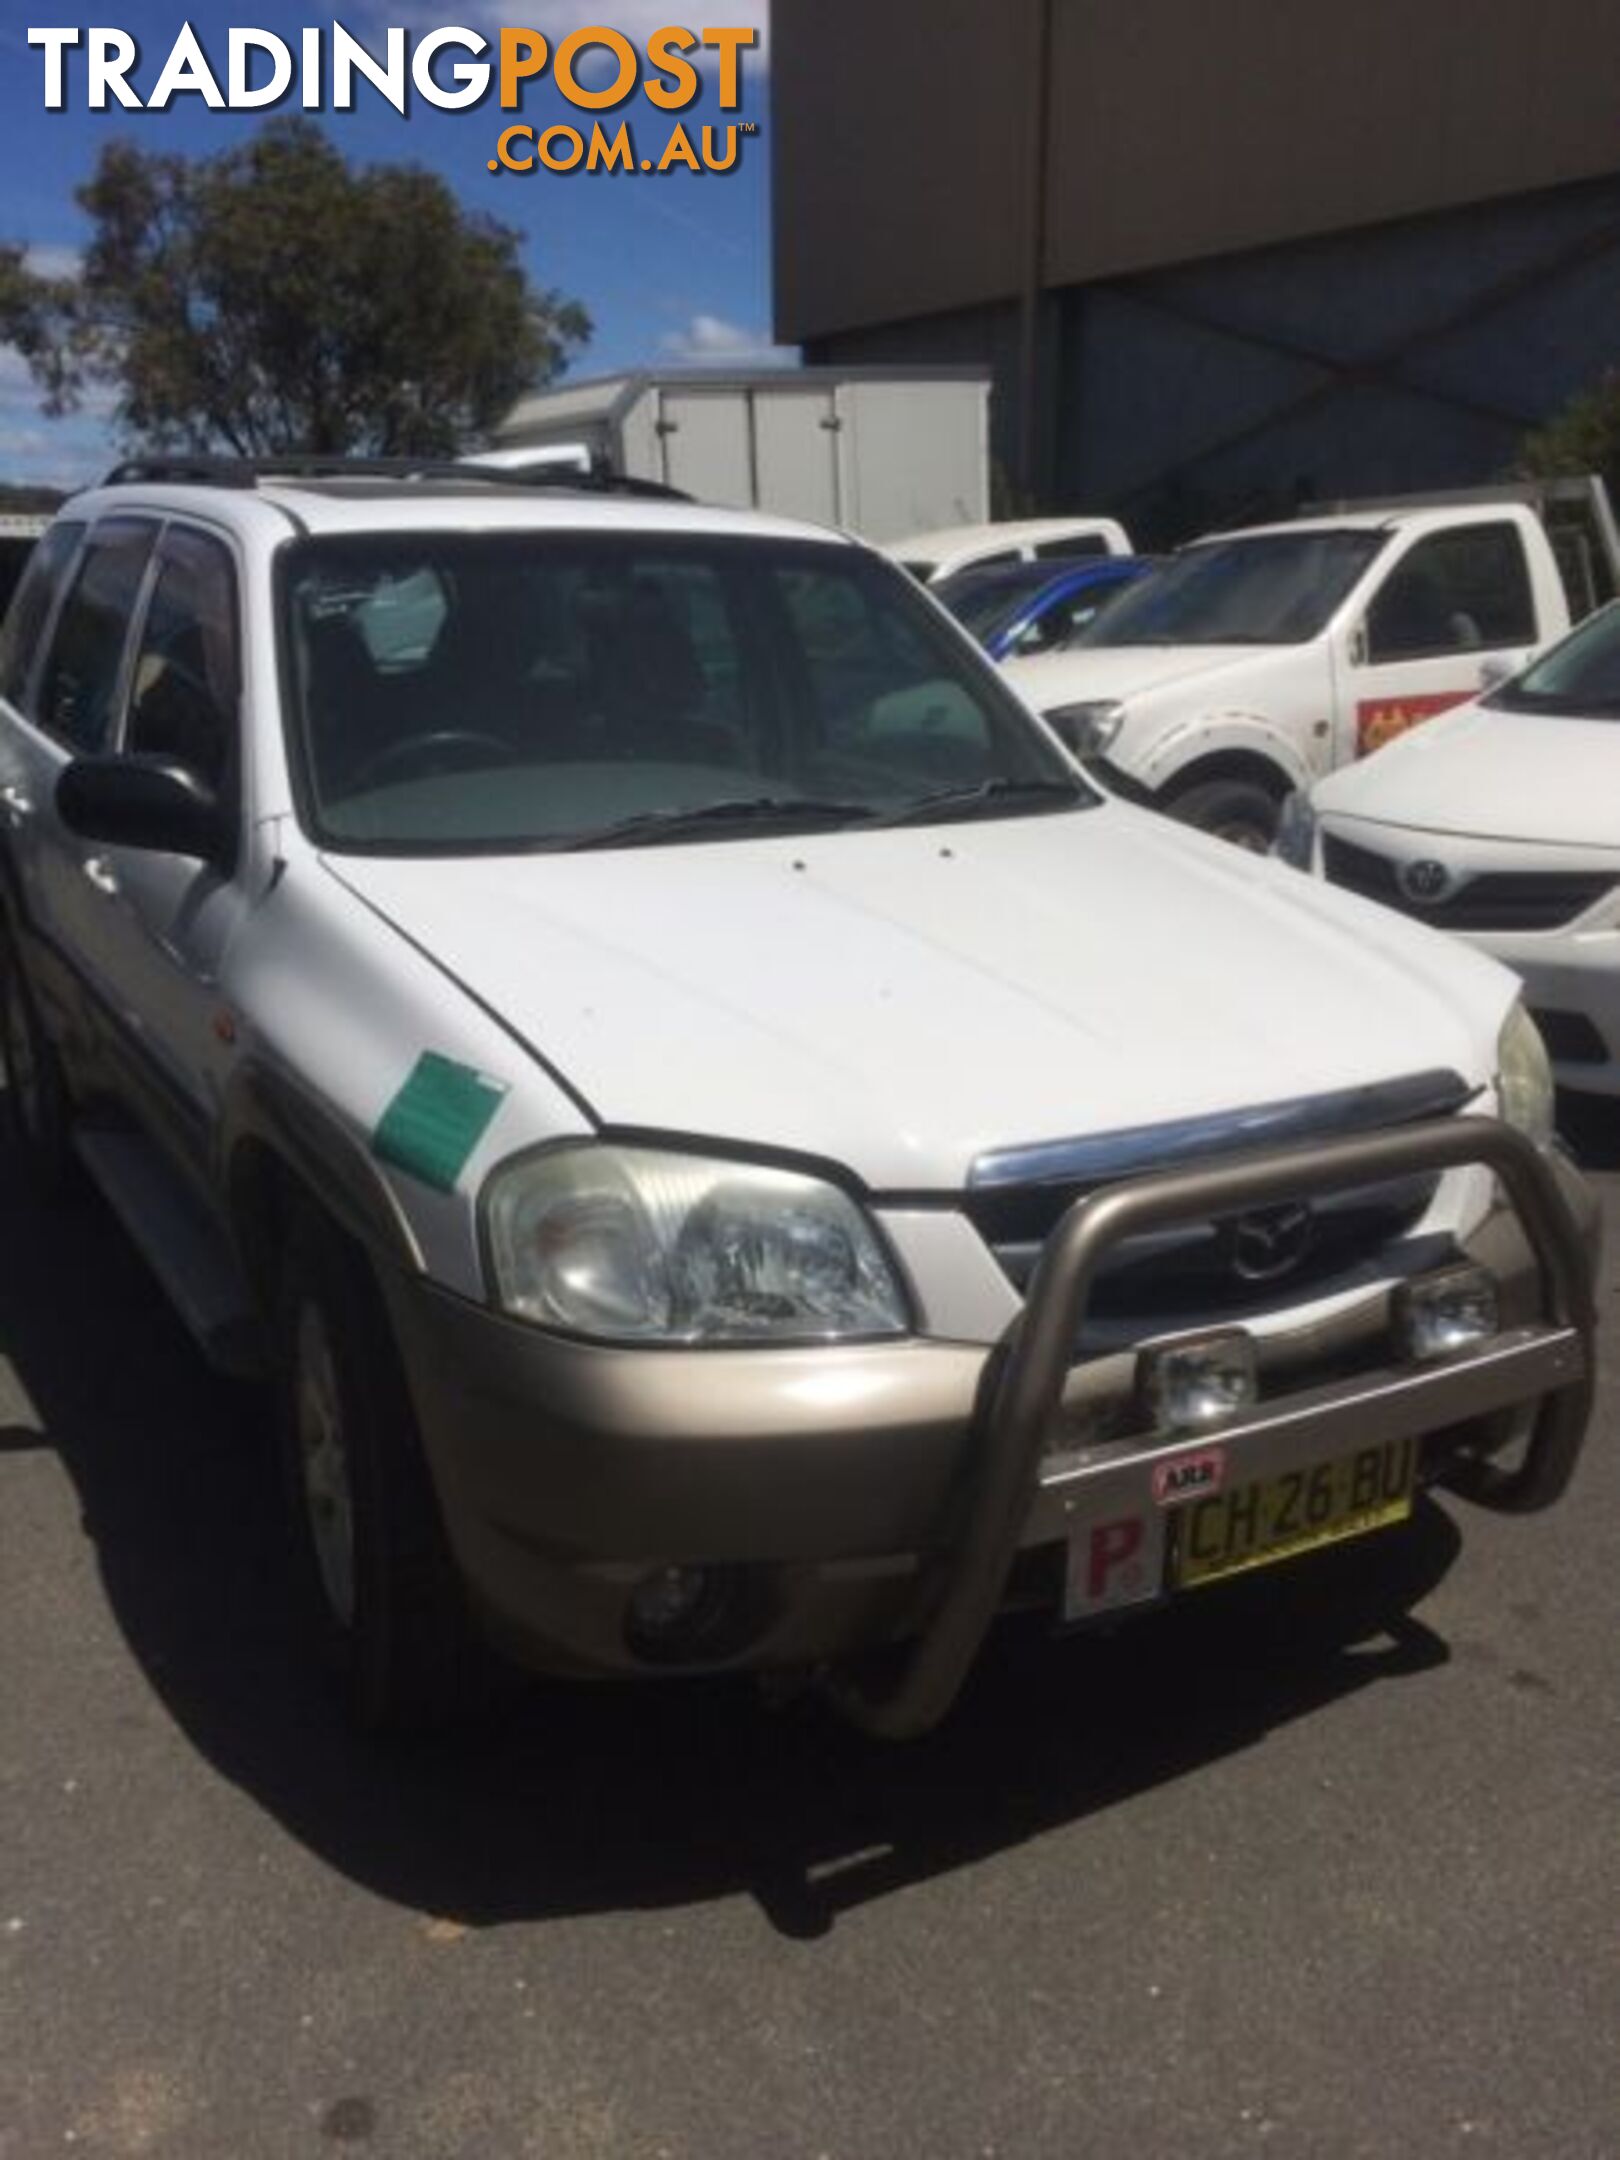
<point x="1114" y="1560"/>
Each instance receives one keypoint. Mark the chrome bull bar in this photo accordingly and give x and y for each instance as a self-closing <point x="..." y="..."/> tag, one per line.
<point x="1026" y="1381"/>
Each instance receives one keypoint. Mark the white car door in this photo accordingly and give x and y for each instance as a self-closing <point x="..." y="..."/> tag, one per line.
<point x="163" y="922"/>
<point x="1448" y="604"/>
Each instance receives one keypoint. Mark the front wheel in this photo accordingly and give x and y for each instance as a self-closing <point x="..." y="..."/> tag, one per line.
<point x="1240" y="811"/>
<point x="374" y="1582"/>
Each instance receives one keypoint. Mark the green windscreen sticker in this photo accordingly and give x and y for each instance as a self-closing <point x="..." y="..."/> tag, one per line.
<point x="437" y="1119"/>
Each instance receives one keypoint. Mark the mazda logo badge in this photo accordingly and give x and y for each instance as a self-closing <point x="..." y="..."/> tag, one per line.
<point x="1427" y="883"/>
<point x="1270" y="1244"/>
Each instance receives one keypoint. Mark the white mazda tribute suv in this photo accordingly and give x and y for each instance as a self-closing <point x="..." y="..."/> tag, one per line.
<point x="732" y="1150"/>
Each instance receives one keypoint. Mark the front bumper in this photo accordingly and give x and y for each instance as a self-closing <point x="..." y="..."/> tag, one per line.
<point x="861" y="1495"/>
<point x="1571" y="972"/>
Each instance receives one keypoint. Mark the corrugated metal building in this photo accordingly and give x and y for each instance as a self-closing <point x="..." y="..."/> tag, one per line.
<point x="1220" y="258"/>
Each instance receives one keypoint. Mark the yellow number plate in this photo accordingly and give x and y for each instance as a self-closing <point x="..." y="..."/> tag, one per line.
<point x="1320" y="1504"/>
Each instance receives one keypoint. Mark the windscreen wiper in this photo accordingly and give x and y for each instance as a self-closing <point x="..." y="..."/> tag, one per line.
<point x="755" y="813"/>
<point x="988" y="797"/>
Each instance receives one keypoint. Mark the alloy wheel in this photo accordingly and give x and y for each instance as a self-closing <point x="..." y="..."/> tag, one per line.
<point x="324" y="1463"/>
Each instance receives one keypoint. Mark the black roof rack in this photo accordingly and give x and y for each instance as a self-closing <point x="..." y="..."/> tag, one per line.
<point x="178" y="468"/>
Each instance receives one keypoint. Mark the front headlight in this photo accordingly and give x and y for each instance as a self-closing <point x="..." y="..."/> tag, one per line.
<point x="1524" y="1083"/>
<point x="641" y="1245"/>
<point x="1295" y="843"/>
<point x="1087" y="730"/>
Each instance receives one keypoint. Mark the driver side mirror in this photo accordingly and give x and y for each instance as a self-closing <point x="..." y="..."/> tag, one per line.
<point x="142" y="802"/>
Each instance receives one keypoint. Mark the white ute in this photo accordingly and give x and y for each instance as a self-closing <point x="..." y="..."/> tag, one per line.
<point x="932" y="557"/>
<point x="1255" y="661"/>
<point x="732" y="1152"/>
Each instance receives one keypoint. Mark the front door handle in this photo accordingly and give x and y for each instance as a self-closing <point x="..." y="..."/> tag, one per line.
<point x="102" y="875"/>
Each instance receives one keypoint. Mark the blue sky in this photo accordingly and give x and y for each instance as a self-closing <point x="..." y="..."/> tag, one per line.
<point x="673" y="268"/>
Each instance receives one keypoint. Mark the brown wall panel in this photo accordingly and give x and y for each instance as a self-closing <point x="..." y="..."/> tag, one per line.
<point x="1179" y="129"/>
<point x="899" y="139"/>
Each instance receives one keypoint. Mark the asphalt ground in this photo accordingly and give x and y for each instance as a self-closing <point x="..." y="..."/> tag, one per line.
<point x="1322" y="1864"/>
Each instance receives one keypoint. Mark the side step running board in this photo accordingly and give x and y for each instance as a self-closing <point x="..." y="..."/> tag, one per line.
<point x="188" y="1253"/>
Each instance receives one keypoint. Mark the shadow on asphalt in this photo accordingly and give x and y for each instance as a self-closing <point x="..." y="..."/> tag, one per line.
<point x="594" y="1799"/>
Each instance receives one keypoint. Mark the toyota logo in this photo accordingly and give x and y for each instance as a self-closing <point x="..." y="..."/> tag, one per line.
<point x="1270" y="1244"/>
<point x="1427" y="883"/>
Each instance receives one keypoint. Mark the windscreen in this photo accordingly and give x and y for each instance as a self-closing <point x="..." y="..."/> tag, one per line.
<point x="1580" y="676"/>
<point x="1265" y="589"/>
<point x="464" y="693"/>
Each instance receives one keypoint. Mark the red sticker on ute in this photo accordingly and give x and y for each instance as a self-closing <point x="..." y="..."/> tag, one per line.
<point x="1189" y="1477"/>
<point x="1380" y="720"/>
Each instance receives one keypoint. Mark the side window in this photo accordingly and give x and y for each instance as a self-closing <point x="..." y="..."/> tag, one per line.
<point x="183" y="696"/>
<point x="16" y="549"/>
<point x="1044" y="634"/>
<point x="1462" y="591"/>
<point x="1074" y="545"/>
<point x="80" y="686"/>
<point x="1064" y="620"/>
<point x="1080" y="614"/>
<point x="31" y="607"/>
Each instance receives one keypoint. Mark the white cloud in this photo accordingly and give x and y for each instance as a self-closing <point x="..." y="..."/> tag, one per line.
<point x="55" y="262"/>
<point x="711" y="341"/>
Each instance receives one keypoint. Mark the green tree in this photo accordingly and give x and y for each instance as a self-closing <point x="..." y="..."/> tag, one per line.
<point x="274" y="298"/>
<point x="1584" y="437"/>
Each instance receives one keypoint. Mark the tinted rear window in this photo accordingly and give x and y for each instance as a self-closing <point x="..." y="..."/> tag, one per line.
<point x="31" y="605"/>
<point x="79" y="691"/>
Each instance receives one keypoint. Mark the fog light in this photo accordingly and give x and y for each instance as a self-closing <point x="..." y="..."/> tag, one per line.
<point x="1190" y="1386"/>
<point x="699" y="1615"/>
<point x="1437" y="1315"/>
<point x="667" y="1603"/>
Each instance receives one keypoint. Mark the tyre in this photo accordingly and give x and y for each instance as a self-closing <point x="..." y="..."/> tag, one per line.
<point x="1240" y="811"/>
<point x="375" y="1590"/>
<point x="35" y="1115"/>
